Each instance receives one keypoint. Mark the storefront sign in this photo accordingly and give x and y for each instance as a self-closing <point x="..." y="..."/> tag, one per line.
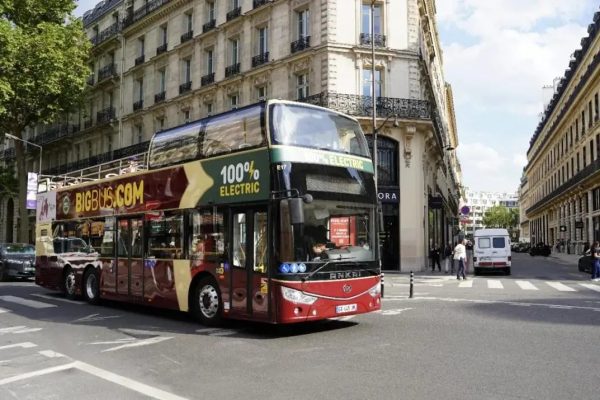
<point x="436" y="202"/>
<point x="389" y="196"/>
<point x="32" y="181"/>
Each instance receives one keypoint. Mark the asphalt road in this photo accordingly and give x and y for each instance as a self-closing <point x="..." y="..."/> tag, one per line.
<point x="533" y="335"/>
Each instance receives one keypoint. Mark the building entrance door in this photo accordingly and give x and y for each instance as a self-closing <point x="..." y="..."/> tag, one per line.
<point x="390" y="243"/>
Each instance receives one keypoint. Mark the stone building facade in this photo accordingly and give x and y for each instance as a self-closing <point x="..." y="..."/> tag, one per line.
<point x="563" y="170"/>
<point x="161" y="63"/>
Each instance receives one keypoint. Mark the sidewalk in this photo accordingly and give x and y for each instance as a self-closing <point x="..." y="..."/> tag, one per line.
<point x="571" y="259"/>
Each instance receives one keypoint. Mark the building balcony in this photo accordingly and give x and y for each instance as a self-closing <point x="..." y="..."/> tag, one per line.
<point x="259" y="3"/>
<point x="260" y="59"/>
<point x="187" y="36"/>
<point x="378" y="39"/>
<point x="106" y="34"/>
<point x="161" y="49"/>
<point x="209" y="25"/>
<point x="90" y="80"/>
<point x="140" y="60"/>
<point x="300" y="44"/>
<point x="143" y="11"/>
<point x="207" y="79"/>
<point x="231" y="70"/>
<point x="108" y="71"/>
<point x="158" y="97"/>
<point x="105" y="116"/>
<point x="185" y="87"/>
<point x="236" y="12"/>
<point x="87" y="124"/>
<point x="54" y="133"/>
<point x="138" y="105"/>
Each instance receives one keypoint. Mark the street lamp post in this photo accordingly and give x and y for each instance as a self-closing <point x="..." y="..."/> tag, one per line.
<point x="373" y="98"/>
<point x="13" y="137"/>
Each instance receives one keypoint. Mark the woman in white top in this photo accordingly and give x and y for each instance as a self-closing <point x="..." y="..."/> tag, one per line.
<point x="460" y="254"/>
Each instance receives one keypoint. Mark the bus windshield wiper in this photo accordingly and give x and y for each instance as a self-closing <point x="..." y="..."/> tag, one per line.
<point x="307" y="277"/>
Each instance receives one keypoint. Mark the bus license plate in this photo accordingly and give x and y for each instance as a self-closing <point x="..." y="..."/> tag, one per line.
<point x="345" y="308"/>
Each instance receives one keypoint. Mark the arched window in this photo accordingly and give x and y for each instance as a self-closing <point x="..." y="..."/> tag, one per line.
<point x="387" y="160"/>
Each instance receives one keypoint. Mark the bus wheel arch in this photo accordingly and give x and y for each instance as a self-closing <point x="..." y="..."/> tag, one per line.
<point x="91" y="284"/>
<point x="69" y="282"/>
<point x="205" y="300"/>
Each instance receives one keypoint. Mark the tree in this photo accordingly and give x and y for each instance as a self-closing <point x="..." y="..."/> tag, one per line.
<point x="43" y="70"/>
<point x="9" y="186"/>
<point x="499" y="217"/>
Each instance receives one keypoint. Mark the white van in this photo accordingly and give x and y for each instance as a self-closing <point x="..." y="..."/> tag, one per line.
<point x="491" y="251"/>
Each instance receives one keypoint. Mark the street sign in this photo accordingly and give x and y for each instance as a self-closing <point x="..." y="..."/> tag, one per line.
<point x="465" y="210"/>
<point x="32" y="183"/>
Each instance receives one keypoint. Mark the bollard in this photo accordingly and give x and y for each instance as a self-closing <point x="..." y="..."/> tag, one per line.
<point x="382" y="285"/>
<point x="412" y="282"/>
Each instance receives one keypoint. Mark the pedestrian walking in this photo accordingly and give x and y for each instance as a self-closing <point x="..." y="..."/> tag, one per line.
<point x="460" y="255"/>
<point x="595" y="253"/>
<point x="448" y="258"/>
<point x="435" y="258"/>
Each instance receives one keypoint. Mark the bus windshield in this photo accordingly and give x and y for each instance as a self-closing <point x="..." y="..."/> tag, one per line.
<point x="298" y="125"/>
<point x="332" y="231"/>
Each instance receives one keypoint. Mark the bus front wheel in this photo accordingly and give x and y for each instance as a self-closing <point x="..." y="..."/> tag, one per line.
<point x="207" y="304"/>
<point x="91" y="286"/>
<point x="69" y="283"/>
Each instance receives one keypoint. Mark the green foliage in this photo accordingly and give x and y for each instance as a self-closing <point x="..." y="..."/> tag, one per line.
<point x="501" y="217"/>
<point x="9" y="185"/>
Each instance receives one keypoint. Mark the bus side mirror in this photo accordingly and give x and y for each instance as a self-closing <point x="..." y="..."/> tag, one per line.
<point x="296" y="210"/>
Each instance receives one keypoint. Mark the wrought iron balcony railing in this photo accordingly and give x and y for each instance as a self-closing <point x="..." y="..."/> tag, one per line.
<point x="161" y="49"/>
<point x="378" y="39"/>
<point x="209" y="25"/>
<point x="300" y="44"/>
<point x="108" y="71"/>
<point x="185" y="87"/>
<point x="236" y="12"/>
<point x="143" y="11"/>
<point x="106" y="34"/>
<point x="138" y="105"/>
<point x="90" y="80"/>
<point x="258" y="3"/>
<point x="207" y="79"/>
<point x="158" y="97"/>
<point x="231" y="70"/>
<point x="105" y="116"/>
<point x="260" y="59"/>
<point x="140" y="60"/>
<point x="187" y="36"/>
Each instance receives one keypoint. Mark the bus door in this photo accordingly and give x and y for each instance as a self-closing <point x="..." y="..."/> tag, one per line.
<point x="249" y="263"/>
<point x="130" y="264"/>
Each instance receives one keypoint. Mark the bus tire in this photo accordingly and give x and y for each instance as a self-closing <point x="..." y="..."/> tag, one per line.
<point x="207" y="303"/>
<point x="69" y="283"/>
<point x="91" y="286"/>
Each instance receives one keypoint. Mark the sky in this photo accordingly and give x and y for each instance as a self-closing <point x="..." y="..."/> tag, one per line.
<point x="497" y="55"/>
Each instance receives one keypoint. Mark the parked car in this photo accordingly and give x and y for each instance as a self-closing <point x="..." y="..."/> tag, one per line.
<point x="585" y="262"/>
<point x="17" y="260"/>
<point x="540" y="249"/>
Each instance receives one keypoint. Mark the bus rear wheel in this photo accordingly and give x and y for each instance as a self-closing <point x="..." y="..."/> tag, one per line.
<point x="69" y="283"/>
<point x="207" y="304"/>
<point x="91" y="286"/>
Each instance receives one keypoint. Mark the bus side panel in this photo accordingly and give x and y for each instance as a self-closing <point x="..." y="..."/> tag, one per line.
<point x="108" y="278"/>
<point x="159" y="284"/>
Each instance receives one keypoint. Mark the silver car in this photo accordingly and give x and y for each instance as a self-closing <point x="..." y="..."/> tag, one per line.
<point x="17" y="260"/>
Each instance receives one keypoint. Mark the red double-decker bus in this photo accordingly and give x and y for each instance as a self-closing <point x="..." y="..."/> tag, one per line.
<point x="263" y="213"/>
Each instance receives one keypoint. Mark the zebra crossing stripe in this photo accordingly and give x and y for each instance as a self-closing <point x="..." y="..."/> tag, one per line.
<point x="590" y="286"/>
<point x="466" y="284"/>
<point x="54" y="298"/>
<point x="26" y="302"/>
<point x="526" y="285"/>
<point x="560" y="287"/>
<point x="24" y="345"/>
<point x="3" y="310"/>
<point x="494" y="284"/>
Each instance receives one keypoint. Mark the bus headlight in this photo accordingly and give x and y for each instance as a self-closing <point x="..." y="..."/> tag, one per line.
<point x="375" y="290"/>
<point x="296" y="296"/>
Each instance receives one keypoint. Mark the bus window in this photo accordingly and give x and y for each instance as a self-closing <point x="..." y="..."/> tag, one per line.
<point x="260" y="242"/>
<point x="232" y="131"/>
<point x="165" y="235"/>
<point x="239" y="240"/>
<point x="208" y="236"/>
<point x="107" y="248"/>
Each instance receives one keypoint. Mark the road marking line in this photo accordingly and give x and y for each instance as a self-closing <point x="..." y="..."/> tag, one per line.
<point x="346" y="318"/>
<point x="224" y="332"/>
<point x="396" y="311"/>
<point x="526" y="285"/>
<point x="560" y="287"/>
<point x="40" y="372"/>
<point x="24" y="345"/>
<point x="512" y="303"/>
<point x="29" y="330"/>
<point x="95" y="317"/>
<point x="139" y="343"/>
<point x="3" y="310"/>
<point x="118" y="341"/>
<point x="44" y="296"/>
<point x="466" y="284"/>
<point x="26" y="302"/>
<point x="590" y="286"/>
<point x="12" y="328"/>
<point x="494" y="284"/>
<point x="51" y="354"/>
<point x="126" y="382"/>
<point x="207" y="330"/>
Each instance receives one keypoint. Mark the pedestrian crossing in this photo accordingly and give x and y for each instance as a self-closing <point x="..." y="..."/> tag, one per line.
<point x="9" y="303"/>
<point x="498" y="284"/>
